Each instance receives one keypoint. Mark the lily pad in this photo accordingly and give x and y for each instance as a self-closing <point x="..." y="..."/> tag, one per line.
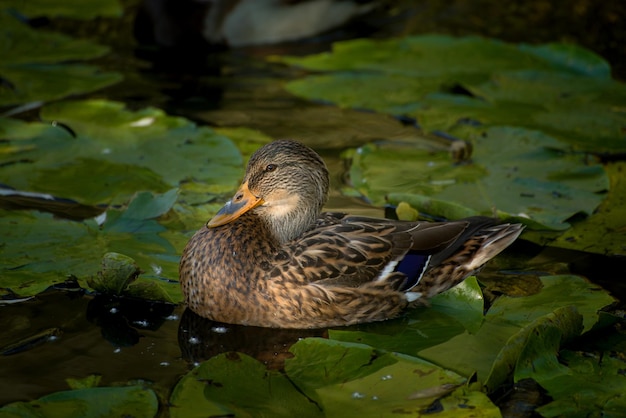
<point x="115" y="152"/>
<point x="236" y="384"/>
<point x="432" y="55"/>
<point x="118" y="271"/>
<point x="91" y="381"/>
<point x="135" y="401"/>
<point x="325" y="378"/>
<point x="514" y="171"/>
<point x="444" y="81"/>
<point x="39" y="250"/>
<point x="467" y="342"/>
<point x="451" y="313"/>
<point x="604" y="232"/>
<point x="583" y="384"/>
<point x="561" y="301"/>
<point x="547" y="333"/>
<point x="73" y="9"/>
<point x="34" y="65"/>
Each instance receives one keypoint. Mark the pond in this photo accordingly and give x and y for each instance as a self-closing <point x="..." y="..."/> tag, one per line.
<point x="131" y="149"/>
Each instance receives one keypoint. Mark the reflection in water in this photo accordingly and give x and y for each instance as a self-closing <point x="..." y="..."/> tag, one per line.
<point x="200" y="339"/>
<point x="120" y="319"/>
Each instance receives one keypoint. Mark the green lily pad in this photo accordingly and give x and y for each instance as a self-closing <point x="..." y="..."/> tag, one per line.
<point x="583" y="111"/>
<point x="454" y="334"/>
<point x="119" y="277"/>
<point x="39" y="250"/>
<point x="354" y="377"/>
<point x="557" y="292"/>
<point x="325" y="378"/>
<point x="488" y="351"/>
<point x="432" y="55"/>
<point x="547" y="333"/>
<point x="443" y="81"/>
<point x="604" y="231"/>
<point x="583" y="384"/>
<point x="69" y="9"/>
<point x="91" y="381"/>
<point x="236" y="384"/>
<point x="115" y="153"/>
<point x="514" y="171"/>
<point x="135" y="401"/>
<point x="449" y="314"/>
<point x="34" y="65"/>
<point x="117" y="272"/>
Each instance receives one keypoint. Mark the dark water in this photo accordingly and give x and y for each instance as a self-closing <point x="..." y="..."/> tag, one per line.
<point x="68" y="333"/>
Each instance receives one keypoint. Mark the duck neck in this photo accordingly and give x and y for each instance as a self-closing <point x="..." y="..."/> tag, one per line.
<point x="290" y="225"/>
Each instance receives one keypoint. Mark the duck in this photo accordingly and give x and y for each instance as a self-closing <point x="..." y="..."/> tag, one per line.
<point x="243" y="23"/>
<point x="271" y="257"/>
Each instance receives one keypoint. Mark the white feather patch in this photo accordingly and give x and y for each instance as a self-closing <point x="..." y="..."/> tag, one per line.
<point x="389" y="268"/>
<point x="412" y="296"/>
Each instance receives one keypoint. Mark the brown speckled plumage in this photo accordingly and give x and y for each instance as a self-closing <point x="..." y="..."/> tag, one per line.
<point x="270" y="257"/>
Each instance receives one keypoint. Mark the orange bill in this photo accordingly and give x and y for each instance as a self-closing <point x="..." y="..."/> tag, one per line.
<point x="242" y="202"/>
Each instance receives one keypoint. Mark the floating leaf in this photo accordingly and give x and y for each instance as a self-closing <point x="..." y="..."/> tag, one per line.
<point x="39" y="251"/>
<point x="434" y="55"/>
<point x="584" y="384"/>
<point x="518" y="172"/>
<point x="604" y="231"/>
<point x="135" y="401"/>
<point x="557" y="292"/>
<point x="546" y="333"/>
<point x="344" y="376"/>
<point x="449" y="314"/>
<point x="236" y="384"/>
<point x="486" y="351"/>
<point x="115" y="153"/>
<point x="324" y="378"/>
<point x="73" y="9"/>
<point x="406" y="213"/>
<point x="33" y="66"/>
<point x="443" y="81"/>
<point x="318" y="363"/>
<point x="454" y="334"/>
<point x="117" y="272"/>
<point x="464" y="302"/>
<point x="91" y="381"/>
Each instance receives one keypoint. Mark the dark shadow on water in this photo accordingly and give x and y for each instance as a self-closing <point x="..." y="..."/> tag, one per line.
<point x="200" y="339"/>
<point x="122" y="319"/>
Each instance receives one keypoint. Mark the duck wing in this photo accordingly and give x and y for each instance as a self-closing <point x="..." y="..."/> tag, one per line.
<point x="343" y="250"/>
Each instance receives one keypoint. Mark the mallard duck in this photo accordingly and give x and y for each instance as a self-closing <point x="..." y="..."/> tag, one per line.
<point x="239" y="23"/>
<point x="271" y="258"/>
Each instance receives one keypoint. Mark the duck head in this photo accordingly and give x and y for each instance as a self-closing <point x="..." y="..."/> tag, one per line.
<point x="285" y="186"/>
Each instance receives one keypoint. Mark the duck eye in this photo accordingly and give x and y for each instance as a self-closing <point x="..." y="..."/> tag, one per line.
<point x="270" y="167"/>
